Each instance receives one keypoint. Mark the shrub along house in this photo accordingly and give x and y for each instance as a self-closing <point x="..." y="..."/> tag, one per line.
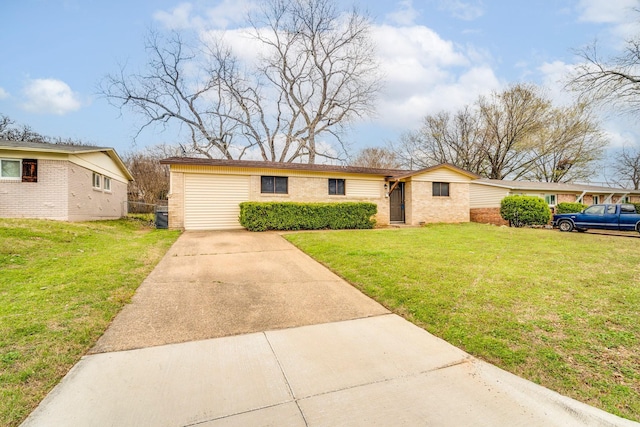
<point x="486" y="194"/>
<point x="62" y="182"/>
<point x="205" y="194"/>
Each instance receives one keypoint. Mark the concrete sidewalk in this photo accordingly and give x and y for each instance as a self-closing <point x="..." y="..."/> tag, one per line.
<point x="325" y="356"/>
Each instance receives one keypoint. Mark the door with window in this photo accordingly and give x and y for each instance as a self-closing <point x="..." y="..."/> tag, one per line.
<point x="396" y="203"/>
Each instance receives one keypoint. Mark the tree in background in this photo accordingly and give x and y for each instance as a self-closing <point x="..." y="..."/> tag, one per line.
<point x="317" y="72"/>
<point x="614" y="81"/>
<point x="11" y="131"/>
<point x="627" y="167"/>
<point x="151" y="179"/>
<point x="513" y="134"/>
<point x="375" y="157"/>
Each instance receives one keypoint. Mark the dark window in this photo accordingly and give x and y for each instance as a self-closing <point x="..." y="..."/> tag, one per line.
<point x="29" y="170"/>
<point x="274" y="184"/>
<point x="336" y="186"/>
<point x="441" y="189"/>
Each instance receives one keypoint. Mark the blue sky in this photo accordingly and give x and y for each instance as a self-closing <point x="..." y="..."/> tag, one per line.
<point x="436" y="54"/>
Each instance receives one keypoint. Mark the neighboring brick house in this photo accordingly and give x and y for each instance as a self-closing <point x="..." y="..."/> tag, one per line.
<point x="205" y="194"/>
<point x="486" y="195"/>
<point x="61" y="182"/>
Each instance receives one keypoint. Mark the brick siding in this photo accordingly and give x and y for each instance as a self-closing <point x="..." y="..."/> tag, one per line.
<point x="487" y="216"/>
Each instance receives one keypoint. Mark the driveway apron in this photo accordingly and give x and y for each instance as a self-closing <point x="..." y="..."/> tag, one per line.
<point x="243" y="329"/>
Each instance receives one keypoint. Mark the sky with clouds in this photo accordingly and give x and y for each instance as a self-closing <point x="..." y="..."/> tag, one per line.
<point x="435" y="55"/>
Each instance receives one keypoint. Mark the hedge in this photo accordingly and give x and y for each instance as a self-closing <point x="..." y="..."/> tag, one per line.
<point x="637" y="206"/>
<point x="525" y="210"/>
<point x="262" y="216"/>
<point x="566" y="207"/>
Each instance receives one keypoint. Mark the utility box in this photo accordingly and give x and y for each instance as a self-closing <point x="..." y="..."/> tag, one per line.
<point x="162" y="217"/>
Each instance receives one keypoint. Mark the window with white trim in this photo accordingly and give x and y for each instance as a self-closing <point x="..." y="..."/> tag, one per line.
<point x="596" y="200"/>
<point x="550" y="199"/>
<point x="106" y="183"/>
<point x="10" y="168"/>
<point x="96" y="180"/>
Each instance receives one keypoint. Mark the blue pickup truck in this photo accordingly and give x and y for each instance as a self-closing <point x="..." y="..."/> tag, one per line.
<point x="621" y="217"/>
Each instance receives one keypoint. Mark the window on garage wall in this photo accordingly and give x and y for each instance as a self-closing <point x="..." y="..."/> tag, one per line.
<point x="274" y="184"/>
<point x="336" y="187"/>
<point x="440" y="189"/>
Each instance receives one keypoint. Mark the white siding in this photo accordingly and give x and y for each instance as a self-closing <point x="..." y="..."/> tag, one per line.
<point x="362" y="188"/>
<point x="441" y="175"/>
<point x="486" y="196"/>
<point x="212" y="201"/>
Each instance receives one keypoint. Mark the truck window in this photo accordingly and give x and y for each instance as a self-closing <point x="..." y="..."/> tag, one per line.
<point x="595" y="210"/>
<point x="611" y="209"/>
<point x="627" y="209"/>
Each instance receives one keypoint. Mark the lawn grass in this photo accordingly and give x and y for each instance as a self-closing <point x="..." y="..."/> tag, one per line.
<point x="560" y="309"/>
<point x="60" y="286"/>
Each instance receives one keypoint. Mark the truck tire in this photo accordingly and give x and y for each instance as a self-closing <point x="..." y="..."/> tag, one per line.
<point x="565" y="225"/>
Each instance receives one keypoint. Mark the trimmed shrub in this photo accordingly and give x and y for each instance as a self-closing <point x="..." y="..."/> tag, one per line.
<point x="637" y="207"/>
<point x="566" y="207"/>
<point x="525" y="210"/>
<point x="262" y="216"/>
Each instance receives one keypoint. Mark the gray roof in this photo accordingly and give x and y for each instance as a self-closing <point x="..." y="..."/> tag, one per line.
<point x="64" y="148"/>
<point x="552" y="186"/>
<point x="56" y="148"/>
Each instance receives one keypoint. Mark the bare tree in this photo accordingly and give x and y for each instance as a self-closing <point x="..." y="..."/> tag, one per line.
<point x="458" y="140"/>
<point x="509" y="118"/>
<point x="627" y="166"/>
<point x="515" y="134"/>
<point x="151" y="179"/>
<point x="614" y="81"/>
<point x="10" y="131"/>
<point x="376" y="157"/>
<point x="317" y="74"/>
<point x="568" y="147"/>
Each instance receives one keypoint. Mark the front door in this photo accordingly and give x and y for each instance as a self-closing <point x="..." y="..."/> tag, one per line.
<point x="396" y="203"/>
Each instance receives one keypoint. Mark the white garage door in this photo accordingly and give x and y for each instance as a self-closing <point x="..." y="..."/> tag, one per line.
<point x="211" y="202"/>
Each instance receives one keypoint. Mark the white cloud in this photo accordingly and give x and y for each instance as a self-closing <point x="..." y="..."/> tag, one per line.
<point x="50" y="96"/>
<point x="3" y="93"/>
<point x="405" y="15"/>
<point x="465" y="10"/>
<point x="179" y="18"/>
<point x="224" y="15"/>
<point x="425" y="74"/>
<point x="601" y="11"/>
<point x="554" y="79"/>
<point x="620" y="15"/>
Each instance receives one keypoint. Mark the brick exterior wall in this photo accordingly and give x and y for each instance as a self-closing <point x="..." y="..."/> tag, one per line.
<point x="176" y="201"/>
<point x="87" y="203"/>
<point x="487" y="216"/>
<point x="423" y="207"/>
<point x="63" y="192"/>
<point x="315" y="189"/>
<point x="46" y="198"/>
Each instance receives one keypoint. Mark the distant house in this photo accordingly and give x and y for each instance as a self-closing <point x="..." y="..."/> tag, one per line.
<point x="485" y="195"/>
<point x="205" y="194"/>
<point x="62" y="182"/>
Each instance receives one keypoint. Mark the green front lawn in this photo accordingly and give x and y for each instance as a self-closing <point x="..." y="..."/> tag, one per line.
<point x="60" y="286"/>
<point x="560" y="309"/>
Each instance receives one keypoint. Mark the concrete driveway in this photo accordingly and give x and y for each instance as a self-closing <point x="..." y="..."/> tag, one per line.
<point x="242" y="329"/>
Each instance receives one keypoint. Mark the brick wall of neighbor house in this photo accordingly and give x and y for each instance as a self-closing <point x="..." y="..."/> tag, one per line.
<point x="176" y="201"/>
<point x="88" y="203"/>
<point x="487" y="216"/>
<point x="46" y="198"/>
<point x="424" y="208"/>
